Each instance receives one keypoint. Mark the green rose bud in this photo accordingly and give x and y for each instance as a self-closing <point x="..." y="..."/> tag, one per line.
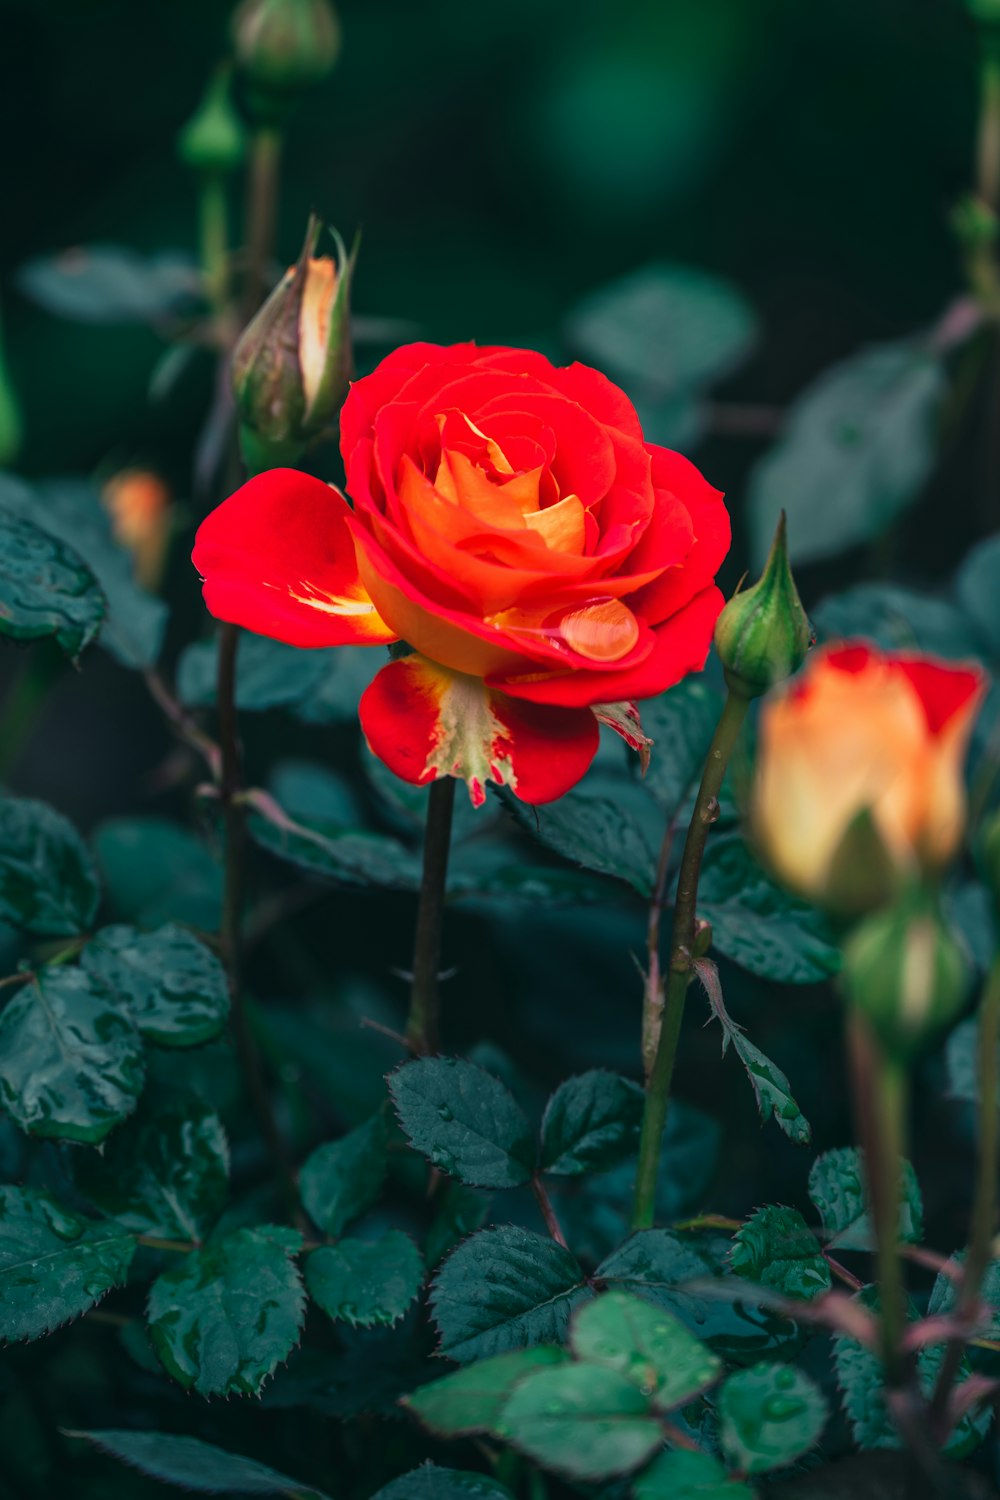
<point x="292" y="363"/>
<point x="213" y="140"/>
<point x="282" y="48"/>
<point x="762" y="635"/>
<point x="906" y="973"/>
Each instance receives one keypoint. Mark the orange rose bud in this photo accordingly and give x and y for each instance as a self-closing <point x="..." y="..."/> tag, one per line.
<point x="282" y="48"/>
<point x="292" y="364"/>
<point x="762" y="635"/>
<point x="859" y="773"/>
<point x="905" y="972"/>
<point x="139" y="505"/>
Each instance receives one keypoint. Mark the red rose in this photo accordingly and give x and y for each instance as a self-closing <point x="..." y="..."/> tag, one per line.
<point x="510" y="524"/>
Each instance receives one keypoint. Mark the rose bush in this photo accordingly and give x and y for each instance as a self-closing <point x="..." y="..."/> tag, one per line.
<point x="864" y="732"/>
<point x="511" y="525"/>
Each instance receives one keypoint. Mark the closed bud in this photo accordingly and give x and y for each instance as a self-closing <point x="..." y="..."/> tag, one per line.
<point x="139" y="504"/>
<point x="213" y="140"/>
<point x="905" y="973"/>
<point x="292" y="363"/>
<point x="762" y="635"/>
<point x="282" y="48"/>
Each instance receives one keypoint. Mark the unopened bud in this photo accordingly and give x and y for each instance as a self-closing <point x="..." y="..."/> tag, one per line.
<point x="213" y="140"/>
<point x="906" y="974"/>
<point x="292" y="364"/>
<point x="139" y="505"/>
<point x="282" y="48"/>
<point x="762" y="635"/>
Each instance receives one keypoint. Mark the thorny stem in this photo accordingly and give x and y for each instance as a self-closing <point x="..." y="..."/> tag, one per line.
<point x="984" y="1208"/>
<point x="880" y="1087"/>
<point x="706" y="810"/>
<point x="422" y="1022"/>
<point x="652" y="999"/>
<point x="548" y="1212"/>
<point x="234" y="821"/>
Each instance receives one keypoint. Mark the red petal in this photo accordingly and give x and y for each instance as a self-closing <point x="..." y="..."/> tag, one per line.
<point x="278" y="558"/>
<point x="945" y="691"/>
<point x="425" y="721"/>
<point x="680" y="645"/>
<point x="674" y="477"/>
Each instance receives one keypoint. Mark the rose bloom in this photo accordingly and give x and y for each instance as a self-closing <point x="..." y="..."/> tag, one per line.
<point x="862" y="731"/>
<point x="510" y="524"/>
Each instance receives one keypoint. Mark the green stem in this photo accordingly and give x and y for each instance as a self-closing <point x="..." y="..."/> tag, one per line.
<point x="706" y="810"/>
<point x="984" y="1208"/>
<point x="422" y="1021"/>
<point x="215" y="239"/>
<point x="25" y="703"/>
<point x="880" y="1091"/>
<point x="262" y="204"/>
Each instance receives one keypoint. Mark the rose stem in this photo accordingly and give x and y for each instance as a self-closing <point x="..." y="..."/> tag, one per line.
<point x="706" y="810"/>
<point x="880" y="1090"/>
<point x="422" y="1021"/>
<point x="984" y="1208"/>
<point x="547" y="1211"/>
<point x="232" y="908"/>
<point x="214" y="239"/>
<point x="262" y="201"/>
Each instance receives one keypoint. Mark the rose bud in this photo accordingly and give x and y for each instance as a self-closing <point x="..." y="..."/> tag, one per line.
<point x="138" y="503"/>
<point x="762" y="635"/>
<point x="213" y="141"/>
<point x="292" y="364"/>
<point x="905" y="972"/>
<point x="859" y="773"/>
<point x="282" y="48"/>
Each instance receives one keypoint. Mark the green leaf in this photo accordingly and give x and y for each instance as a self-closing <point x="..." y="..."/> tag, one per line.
<point x="460" y="1211"/>
<point x="71" y="1060"/>
<point x="858" y="445"/>
<point x="193" y="1465"/>
<point x="110" y="284"/>
<point x="366" y="1285"/>
<point x="471" y="1399"/>
<point x="343" y="1179"/>
<point x="321" y="848"/>
<point x="681" y="723"/>
<point x="759" y="926"/>
<point x="174" y="986"/>
<point x="646" y="1345"/>
<point x="663" y="329"/>
<point x="594" y="832"/>
<point x="591" y="1122"/>
<point x="48" y="884"/>
<point x="837" y="1188"/>
<point x="504" y="1288"/>
<point x="682" y="1475"/>
<point x="431" y="1483"/>
<point x="897" y="619"/>
<point x="770" y="1086"/>
<point x="976" y="584"/>
<point x="585" y="1421"/>
<point x="54" y="1265"/>
<point x="269" y="674"/>
<point x="659" y="1265"/>
<point x="962" y="1058"/>
<point x="472" y="879"/>
<point x="71" y="511"/>
<point x="224" y="1318"/>
<point x="46" y="589"/>
<point x="776" y="1248"/>
<point x="943" y="1298"/>
<point x="349" y="670"/>
<point x="769" y="1416"/>
<point x="862" y="1389"/>
<point x="464" y="1121"/>
<point x="156" y="872"/>
<point x="165" y="1173"/>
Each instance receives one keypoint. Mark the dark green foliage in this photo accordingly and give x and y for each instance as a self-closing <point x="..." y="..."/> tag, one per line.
<point x="71" y="1059"/>
<point x="54" y="1264"/>
<point x="343" y="1179"/>
<point x="227" y="1315"/>
<point x="366" y="1284"/>
<point x="46" y="589"/>
<point x="473" y="1398"/>
<point x="48" y="885"/>
<point x="837" y="1188"/>
<point x="596" y="833"/>
<point x="268" y="674"/>
<point x="194" y="1465"/>
<point x="156" y="872"/>
<point x="776" y="1248"/>
<point x="769" y="1416"/>
<point x="432" y="1483"/>
<point x="681" y="1475"/>
<point x="646" y="1345"/>
<point x="584" y="1420"/>
<point x="109" y="284"/>
<point x="175" y="988"/>
<point x="464" y="1121"/>
<point x="590" y="1123"/>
